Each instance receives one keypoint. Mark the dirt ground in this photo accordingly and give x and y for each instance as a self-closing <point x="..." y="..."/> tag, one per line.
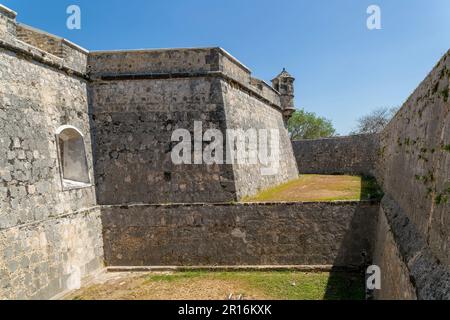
<point x="136" y="286"/>
<point x="220" y="286"/>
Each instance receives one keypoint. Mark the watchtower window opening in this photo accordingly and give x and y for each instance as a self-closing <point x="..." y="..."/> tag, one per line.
<point x="277" y="86"/>
<point x="72" y="158"/>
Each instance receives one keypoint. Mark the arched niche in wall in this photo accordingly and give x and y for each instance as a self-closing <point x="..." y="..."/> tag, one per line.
<point x="72" y="158"/>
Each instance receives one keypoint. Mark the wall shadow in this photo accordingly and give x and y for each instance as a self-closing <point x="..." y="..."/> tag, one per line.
<point x="347" y="280"/>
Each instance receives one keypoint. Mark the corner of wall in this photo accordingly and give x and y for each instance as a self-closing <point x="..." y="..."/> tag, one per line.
<point x="40" y="45"/>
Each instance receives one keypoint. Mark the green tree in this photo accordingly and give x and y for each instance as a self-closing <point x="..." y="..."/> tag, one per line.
<point x="307" y="125"/>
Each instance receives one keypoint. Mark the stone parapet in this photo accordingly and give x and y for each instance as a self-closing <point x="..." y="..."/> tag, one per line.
<point x="178" y="63"/>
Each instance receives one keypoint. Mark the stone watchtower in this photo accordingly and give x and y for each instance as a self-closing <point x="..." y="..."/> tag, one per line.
<point x="284" y="84"/>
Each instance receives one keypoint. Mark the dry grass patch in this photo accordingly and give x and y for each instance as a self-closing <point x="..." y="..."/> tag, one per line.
<point x="311" y="187"/>
<point x="202" y="285"/>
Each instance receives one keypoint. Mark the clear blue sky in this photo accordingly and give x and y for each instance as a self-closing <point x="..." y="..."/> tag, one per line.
<point x="343" y="70"/>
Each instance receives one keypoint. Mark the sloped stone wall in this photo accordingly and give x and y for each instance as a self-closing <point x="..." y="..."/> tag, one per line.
<point x="414" y="171"/>
<point x="49" y="238"/>
<point x="139" y="98"/>
<point x="134" y="121"/>
<point x="409" y="269"/>
<point x="244" y="112"/>
<point x="43" y="259"/>
<point x="395" y="280"/>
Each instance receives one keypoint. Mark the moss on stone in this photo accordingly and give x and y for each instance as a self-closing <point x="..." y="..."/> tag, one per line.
<point x="444" y="94"/>
<point x="446" y="148"/>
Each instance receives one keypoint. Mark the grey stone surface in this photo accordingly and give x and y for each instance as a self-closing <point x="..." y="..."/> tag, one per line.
<point x="409" y="268"/>
<point x="138" y="98"/>
<point x="42" y="259"/>
<point x="49" y="237"/>
<point x="340" y="155"/>
<point x="74" y="57"/>
<point x="341" y="234"/>
<point x="284" y="84"/>
<point x="34" y="102"/>
<point x="414" y="171"/>
<point x="395" y="278"/>
<point x="133" y="123"/>
<point x="243" y="111"/>
<point x="128" y="102"/>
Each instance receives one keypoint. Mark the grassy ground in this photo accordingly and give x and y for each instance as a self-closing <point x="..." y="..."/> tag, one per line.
<point x="202" y="285"/>
<point x="311" y="187"/>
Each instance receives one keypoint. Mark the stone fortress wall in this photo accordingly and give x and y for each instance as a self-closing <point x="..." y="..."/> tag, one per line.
<point x="414" y="171"/>
<point x="403" y="250"/>
<point x="138" y="98"/>
<point x="126" y="103"/>
<point x="411" y="161"/>
<point x="337" y="234"/>
<point x="134" y="119"/>
<point x="355" y="155"/>
<point x="49" y="238"/>
<point x="244" y="111"/>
